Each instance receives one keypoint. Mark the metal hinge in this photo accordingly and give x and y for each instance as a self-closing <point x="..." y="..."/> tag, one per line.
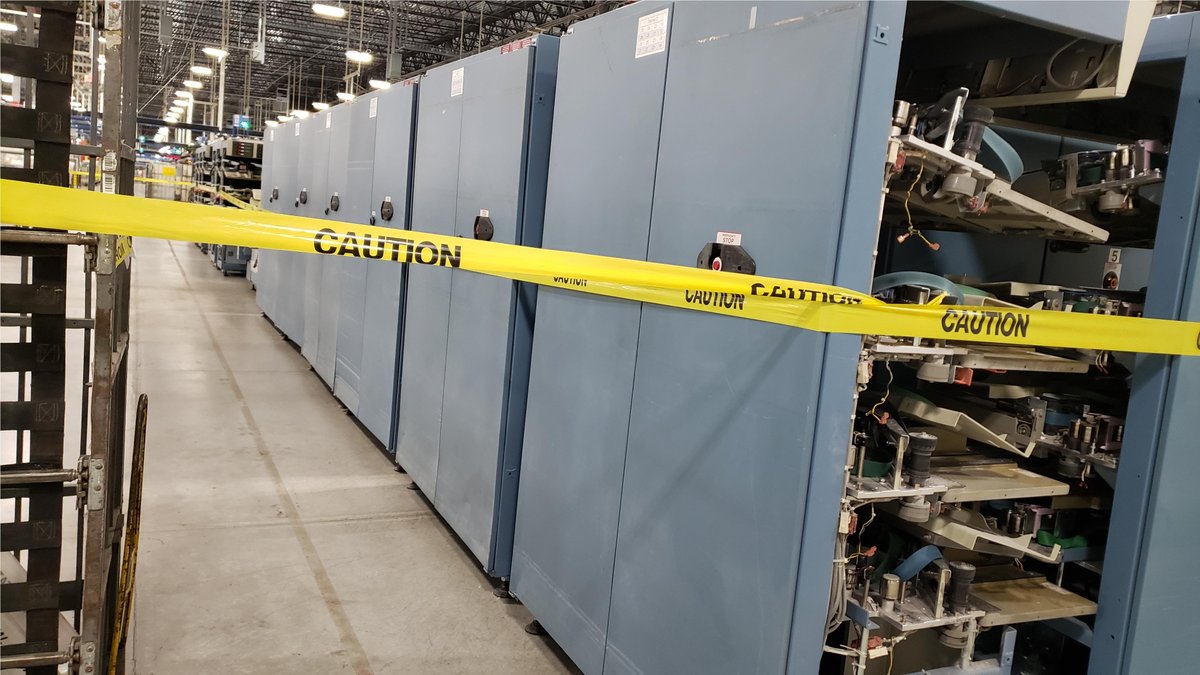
<point x="95" y="484"/>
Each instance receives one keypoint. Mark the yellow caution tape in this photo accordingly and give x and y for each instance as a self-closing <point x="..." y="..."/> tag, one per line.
<point x="241" y="204"/>
<point x="793" y="303"/>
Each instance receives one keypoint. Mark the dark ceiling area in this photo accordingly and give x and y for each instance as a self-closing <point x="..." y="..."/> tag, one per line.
<point x="306" y="54"/>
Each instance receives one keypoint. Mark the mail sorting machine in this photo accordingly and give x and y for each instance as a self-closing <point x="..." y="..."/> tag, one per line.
<point x="350" y="163"/>
<point x="703" y="494"/>
<point x="479" y="172"/>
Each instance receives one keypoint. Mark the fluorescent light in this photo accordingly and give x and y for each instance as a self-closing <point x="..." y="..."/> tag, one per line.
<point x="176" y="109"/>
<point x="7" y="78"/>
<point x="182" y="102"/>
<point x="183" y="93"/>
<point x="345" y="96"/>
<point x="102" y="59"/>
<point x="272" y="123"/>
<point x="379" y="84"/>
<point x="8" y="27"/>
<point x="14" y="12"/>
<point x="321" y="105"/>
<point x="359" y="57"/>
<point x="192" y="84"/>
<point x="103" y="40"/>
<point x="201" y="70"/>
<point x="301" y="114"/>
<point x="215" y="52"/>
<point x="282" y="118"/>
<point x="331" y="11"/>
<point x="171" y="119"/>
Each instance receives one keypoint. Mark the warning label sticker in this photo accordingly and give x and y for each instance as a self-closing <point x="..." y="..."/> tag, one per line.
<point x="456" y="82"/>
<point x="651" y="34"/>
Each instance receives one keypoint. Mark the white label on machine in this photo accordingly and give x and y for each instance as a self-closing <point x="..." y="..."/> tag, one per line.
<point x="272" y="134"/>
<point x="108" y="183"/>
<point x="729" y="238"/>
<point x="374" y="107"/>
<point x="651" y="34"/>
<point x="297" y="127"/>
<point x="753" y="17"/>
<point x="456" y="82"/>
<point x="1114" y="255"/>
<point x="483" y="213"/>
<point x="328" y="120"/>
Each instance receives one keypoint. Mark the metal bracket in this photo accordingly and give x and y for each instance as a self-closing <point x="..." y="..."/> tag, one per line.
<point x="87" y="658"/>
<point x="106" y="254"/>
<point x="95" y="484"/>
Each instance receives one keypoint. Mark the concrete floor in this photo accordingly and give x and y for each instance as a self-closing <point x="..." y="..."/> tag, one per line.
<point x="276" y="538"/>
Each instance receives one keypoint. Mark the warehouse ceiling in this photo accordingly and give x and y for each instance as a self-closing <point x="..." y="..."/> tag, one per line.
<point x="305" y="56"/>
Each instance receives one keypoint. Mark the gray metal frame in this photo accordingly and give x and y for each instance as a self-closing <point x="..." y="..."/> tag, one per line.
<point x="1149" y="588"/>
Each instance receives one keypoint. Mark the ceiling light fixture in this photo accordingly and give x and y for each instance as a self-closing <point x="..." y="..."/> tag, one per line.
<point x="345" y="96"/>
<point x="282" y="118"/>
<point x="183" y="93"/>
<point x="8" y="27"/>
<point x="272" y="123"/>
<point x="7" y="78"/>
<point x="359" y="57"/>
<point x="176" y="109"/>
<point x="328" y="10"/>
<point x="379" y="84"/>
<point x="192" y="84"/>
<point x="301" y="114"/>
<point x="321" y="105"/>
<point x="201" y="70"/>
<point x="182" y="102"/>
<point x="215" y="52"/>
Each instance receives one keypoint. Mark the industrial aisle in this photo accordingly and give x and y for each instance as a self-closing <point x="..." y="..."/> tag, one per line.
<point x="276" y="538"/>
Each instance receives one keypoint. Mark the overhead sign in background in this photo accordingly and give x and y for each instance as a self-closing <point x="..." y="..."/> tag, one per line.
<point x="800" y="304"/>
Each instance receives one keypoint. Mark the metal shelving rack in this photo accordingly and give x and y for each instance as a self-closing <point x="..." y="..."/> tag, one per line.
<point x="40" y="477"/>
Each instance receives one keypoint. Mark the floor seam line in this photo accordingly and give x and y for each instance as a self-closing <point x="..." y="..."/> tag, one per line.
<point x="358" y="657"/>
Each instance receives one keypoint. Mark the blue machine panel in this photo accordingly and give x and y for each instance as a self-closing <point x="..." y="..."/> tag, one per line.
<point x="383" y="284"/>
<point x="350" y="173"/>
<point x="314" y="182"/>
<point x="427" y="311"/>
<point x="699" y="511"/>
<point x="265" y="273"/>
<point x="584" y="345"/>
<point x="291" y="266"/>
<point x="482" y="148"/>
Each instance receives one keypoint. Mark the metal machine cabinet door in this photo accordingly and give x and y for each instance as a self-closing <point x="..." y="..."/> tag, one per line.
<point x="427" y="307"/>
<point x="266" y="272"/>
<point x="314" y="176"/>
<point x="494" y="108"/>
<point x="384" y="286"/>
<point x="352" y="199"/>
<point x="336" y="129"/>
<point x="607" y="109"/>
<point x="293" y="266"/>
<point x="722" y="422"/>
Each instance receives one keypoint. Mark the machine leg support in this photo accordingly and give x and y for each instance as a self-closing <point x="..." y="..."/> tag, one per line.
<point x="534" y="628"/>
<point x="501" y="591"/>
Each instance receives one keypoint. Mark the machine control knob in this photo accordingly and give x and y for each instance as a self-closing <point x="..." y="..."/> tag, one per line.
<point x="335" y="202"/>
<point x="484" y="228"/>
<point x="274" y="194"/>
<point x="726" y="258"/>
<point x="303" y="196"/>
<point x="386" y="210"/>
